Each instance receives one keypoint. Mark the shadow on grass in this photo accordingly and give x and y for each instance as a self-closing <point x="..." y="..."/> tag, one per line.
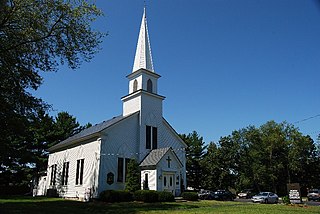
<point x="60" y="206"/>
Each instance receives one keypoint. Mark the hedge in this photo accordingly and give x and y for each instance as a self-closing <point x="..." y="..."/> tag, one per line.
<point x="146" y="196"/>
<point x="116" y="196"/>
<point x="165" y="197"/>
<point x="190" y="196"/>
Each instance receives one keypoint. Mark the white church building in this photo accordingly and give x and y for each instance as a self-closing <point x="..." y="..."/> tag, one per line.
<point x="96" y="159"/>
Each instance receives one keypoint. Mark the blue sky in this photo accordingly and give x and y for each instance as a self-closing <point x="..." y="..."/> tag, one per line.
<point x="225" y="64"/>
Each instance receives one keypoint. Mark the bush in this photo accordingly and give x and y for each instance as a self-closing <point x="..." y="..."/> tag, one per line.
<point x="190" y="196"/>
<point x="115" y="196"/>
<point x="286" y="200"/>
<point x="146" y="196"/>
<point x="165" y="197"/>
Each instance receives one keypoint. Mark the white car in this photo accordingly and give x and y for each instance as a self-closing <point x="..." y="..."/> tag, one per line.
<point x="265" y="197"/>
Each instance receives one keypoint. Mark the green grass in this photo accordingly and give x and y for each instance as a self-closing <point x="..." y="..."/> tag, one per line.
<point x="60" y="206"/>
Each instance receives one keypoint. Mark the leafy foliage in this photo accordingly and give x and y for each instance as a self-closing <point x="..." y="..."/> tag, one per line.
<point x="195" y="154"/>
<point x="165" y="197"/>
<point x="148" y="196"/>
<point x="190" y="196"/>
<point x="133" y="176"/>
<point x="263" y="159"/>
<point x="36" y="36"/>
<point x="115" y="196"/>
<point x="28" y="157"/>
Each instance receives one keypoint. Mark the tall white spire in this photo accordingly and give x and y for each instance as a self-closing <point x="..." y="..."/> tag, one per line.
<point x="143" y="57"/>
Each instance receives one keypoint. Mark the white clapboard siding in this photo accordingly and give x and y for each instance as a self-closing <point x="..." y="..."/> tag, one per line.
<point x="120" y="140"/>
<point x="88" y="151"/>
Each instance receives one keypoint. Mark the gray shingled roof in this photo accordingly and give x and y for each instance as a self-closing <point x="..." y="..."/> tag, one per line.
<point x="87" y="132"/>
<point x="154" y="157"/>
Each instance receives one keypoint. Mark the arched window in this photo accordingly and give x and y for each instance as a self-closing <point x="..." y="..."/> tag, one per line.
<point x="149" y="86"/>
<point x="135" y="85"/>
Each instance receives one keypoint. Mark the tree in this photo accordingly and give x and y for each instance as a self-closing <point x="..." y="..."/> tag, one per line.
<point x="29" y="156"/>
<point x="37" y="36"/>
<point x="194" y="154"/>
<point x="133" y="176"/>
<point x="212" y="169"/>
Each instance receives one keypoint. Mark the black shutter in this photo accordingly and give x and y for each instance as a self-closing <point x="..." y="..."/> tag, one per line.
<point x="67" y="173"/>
<point x="81" y="171"/>
<point x="120" y="170"/>
<point x="154" y="138"/>
<point x="77" y="172"/>
<point x="148" y="137"/>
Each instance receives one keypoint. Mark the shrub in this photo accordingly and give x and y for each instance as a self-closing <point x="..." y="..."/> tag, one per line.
<point x="190" y="196"/>
<point x="115" y="196"/>
<point x="286" y="200"/>
<point x="165" y="197"/>
<point x="146" y="196"/>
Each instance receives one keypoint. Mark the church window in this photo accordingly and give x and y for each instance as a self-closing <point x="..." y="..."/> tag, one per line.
<point x="53" y="174"/>
<point x="135" y="85"/>
<point x="151" y="137"/>
<point x="65" y="173"/>
<point x="171" y="181"/>
<point x="149" y="85"/>
<point x="122" y="169"/>
<point x="165" y="181"/>
<point x="79" y="172"/>
<point x="146" y="182"/>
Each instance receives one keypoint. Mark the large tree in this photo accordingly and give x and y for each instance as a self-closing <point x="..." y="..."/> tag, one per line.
<point x="194" y="154"/>
<point x="28" y="155"/>
<point x="37" y="36"/>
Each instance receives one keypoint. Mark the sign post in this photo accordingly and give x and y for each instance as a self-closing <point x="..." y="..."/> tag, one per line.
<point x="294" y="193"/>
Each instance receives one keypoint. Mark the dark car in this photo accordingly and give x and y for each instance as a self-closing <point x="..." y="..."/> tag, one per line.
<point x="205" y="194"/>
<point x="313" y="195"/>
<point x="223" y="195"/>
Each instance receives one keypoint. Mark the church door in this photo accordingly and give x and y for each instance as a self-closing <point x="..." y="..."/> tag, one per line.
<point x="168" y="182"/>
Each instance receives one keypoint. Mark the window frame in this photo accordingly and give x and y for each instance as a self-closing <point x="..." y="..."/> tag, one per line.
<point x="79" y="171"/>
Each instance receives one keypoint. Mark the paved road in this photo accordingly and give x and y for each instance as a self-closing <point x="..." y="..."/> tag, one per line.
<point x="310" y="203"/>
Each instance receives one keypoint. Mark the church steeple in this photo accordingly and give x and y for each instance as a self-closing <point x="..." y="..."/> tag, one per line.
<point x="143" y="57"/>
<point x="143" y="81"/>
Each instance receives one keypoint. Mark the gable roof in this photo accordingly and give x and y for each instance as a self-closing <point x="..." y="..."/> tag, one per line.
<point x="89" y="132"/>
<point x="174" y="132"/>
<point x="154" y="157"/>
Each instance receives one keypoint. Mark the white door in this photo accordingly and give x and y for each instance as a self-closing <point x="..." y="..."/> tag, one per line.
<point x="168" y="183"/>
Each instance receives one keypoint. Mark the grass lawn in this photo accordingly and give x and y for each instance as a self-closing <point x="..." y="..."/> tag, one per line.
<point x="60" y="206"/>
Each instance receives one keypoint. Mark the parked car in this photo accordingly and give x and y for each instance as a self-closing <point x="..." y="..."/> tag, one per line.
<point x="313" y="195"/>
<point x="246" y="193"/>
<point x="265" y="197"/>
<point x="223" y="195"/>
<point x="205" y="194"/>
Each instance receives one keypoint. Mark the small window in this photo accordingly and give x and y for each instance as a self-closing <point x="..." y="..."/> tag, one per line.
<point x="79" y="173"/>
<point x="65" y="173"/>
<point x="135" y="85"/>
<point x="53" y="174"/>
<point x="120" y="169"/>
<point x="151" y="137"/>
<point x="146" y="182"/>
<point x="149" y="86"/>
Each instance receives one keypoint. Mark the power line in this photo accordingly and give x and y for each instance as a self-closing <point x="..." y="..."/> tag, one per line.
<point x="309" y="118"/>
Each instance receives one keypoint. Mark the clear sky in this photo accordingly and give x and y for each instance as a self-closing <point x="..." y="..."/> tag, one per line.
<point x="225" y="64"/>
